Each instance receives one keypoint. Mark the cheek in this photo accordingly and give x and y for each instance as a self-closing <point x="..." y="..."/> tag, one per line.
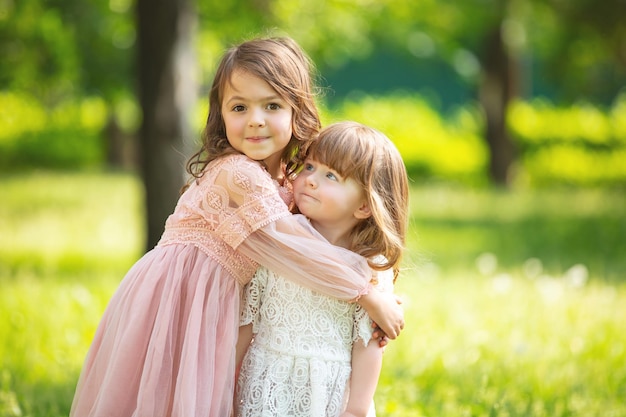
<point x="298" y="182"/>
<point x="232" y="125"/>
<point x="227" y="122"/>
<point x="289" y="123"/>
<point x="288" y="128"/>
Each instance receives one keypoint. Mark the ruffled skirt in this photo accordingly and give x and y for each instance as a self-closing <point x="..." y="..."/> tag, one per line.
<point x="275" y="384"/>
<point x="166" y="343"/>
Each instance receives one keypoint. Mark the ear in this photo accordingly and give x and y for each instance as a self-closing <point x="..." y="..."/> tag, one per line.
<point x="363" y="212"/>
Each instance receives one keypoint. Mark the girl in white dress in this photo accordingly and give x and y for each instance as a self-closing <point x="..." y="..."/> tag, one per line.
<point x="310" y="355"/>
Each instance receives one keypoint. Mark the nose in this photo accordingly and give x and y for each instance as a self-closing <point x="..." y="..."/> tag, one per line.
<point x="256" y="119"/>
<point x="310" y="180"/>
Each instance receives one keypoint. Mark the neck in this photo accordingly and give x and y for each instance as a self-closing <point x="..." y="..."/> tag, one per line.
<point x="334" y="235"/>
<point x="274" y="166"/>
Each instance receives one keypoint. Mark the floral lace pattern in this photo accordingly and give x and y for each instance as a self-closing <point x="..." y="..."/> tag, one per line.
<point x="299" y="363"/>
<point x="233" y="198"/>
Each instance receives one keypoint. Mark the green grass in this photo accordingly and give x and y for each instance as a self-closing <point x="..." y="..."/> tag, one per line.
<point x="515" y="302"/>
<point x="66" y="241"/>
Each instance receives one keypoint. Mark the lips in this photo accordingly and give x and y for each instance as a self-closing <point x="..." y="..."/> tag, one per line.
<point x="256" y="139"/>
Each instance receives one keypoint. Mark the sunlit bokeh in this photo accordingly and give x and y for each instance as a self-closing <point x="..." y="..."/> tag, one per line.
<point x="513" y="286"/>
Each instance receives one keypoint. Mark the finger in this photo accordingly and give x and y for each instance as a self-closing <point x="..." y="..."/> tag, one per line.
<point x="383" y="342"/>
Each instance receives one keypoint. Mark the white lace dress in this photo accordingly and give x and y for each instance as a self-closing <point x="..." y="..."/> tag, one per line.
<point x="299" y="363"/>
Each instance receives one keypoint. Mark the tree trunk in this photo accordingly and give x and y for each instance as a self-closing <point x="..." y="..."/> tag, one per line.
<point x="167" y="88"/>
<point x="498" y="87"/>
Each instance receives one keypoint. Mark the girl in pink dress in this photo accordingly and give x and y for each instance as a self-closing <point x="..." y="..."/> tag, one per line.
<point x="166" y="343"/>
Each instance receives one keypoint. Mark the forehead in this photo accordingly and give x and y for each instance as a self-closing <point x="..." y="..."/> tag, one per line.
<point x="244" y="84"/>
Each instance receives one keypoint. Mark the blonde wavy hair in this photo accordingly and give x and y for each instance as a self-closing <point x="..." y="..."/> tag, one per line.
<point x="370" y="158"/>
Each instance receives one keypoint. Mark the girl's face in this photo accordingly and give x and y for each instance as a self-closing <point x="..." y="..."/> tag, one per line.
<point x="333" y="204"/>
<point x="257" y="119"/>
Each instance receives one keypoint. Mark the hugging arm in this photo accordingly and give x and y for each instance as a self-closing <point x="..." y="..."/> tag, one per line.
<point x="288" y="244"/>
<point x="292" y="248"/>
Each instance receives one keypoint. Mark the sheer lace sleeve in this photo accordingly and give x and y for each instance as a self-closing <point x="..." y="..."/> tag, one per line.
<point x="293" y="249"/>
<point x="234" y="197"/>
<point x="362" y="323"/>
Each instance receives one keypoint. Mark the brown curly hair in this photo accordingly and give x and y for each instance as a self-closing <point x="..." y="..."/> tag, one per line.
<point x="287" y="69"/>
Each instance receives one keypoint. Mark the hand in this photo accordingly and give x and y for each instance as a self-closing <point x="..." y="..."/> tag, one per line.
<point x="385" y="310"/>
<point x="379" y="335"/>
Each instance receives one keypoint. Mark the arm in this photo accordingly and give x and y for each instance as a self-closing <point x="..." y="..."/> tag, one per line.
<point x="243" y="341"/>
<point x="292" y="248"/>
<point x="385" y="310"/>
<point x="252" y="299"/>
<point x="366" y="366"/>
<point x="251" y="216"/>
<point x="250" y="316"/>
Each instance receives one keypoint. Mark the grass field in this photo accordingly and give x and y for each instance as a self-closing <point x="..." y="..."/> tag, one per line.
<point x="515" y="302"/>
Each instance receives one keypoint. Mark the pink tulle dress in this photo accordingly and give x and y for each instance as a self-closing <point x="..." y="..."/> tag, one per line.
<point x="166" y="343"/>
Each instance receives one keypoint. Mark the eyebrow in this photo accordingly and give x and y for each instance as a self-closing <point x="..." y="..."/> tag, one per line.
<point x="267" y="98"/>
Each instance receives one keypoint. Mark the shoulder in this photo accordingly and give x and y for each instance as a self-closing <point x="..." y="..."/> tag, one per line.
<point x="237" y="162"/>
<point x="240" y="171"/>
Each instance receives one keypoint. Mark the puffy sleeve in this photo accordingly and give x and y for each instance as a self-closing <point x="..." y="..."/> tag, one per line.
<point x="293" y="249"/>
<point x="252" y="296"/>
<point x="363" y="329"/>
<point x="245" y="198"/>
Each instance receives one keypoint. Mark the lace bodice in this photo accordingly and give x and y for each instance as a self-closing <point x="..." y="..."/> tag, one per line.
<point x="294" y="320"/>
<point x="233" y="198"/>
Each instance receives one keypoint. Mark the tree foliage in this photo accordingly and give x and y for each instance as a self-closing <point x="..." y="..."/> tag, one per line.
<point x="56" y="49"/>
<point x="59" y="50"/>
<point x="585" y="53"/>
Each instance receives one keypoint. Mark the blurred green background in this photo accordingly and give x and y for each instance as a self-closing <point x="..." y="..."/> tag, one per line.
<point x="515" y="268"/>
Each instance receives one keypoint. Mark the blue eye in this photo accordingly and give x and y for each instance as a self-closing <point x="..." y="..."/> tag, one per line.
<point x="308" y="167"/>
<point x="332" y="176"/>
